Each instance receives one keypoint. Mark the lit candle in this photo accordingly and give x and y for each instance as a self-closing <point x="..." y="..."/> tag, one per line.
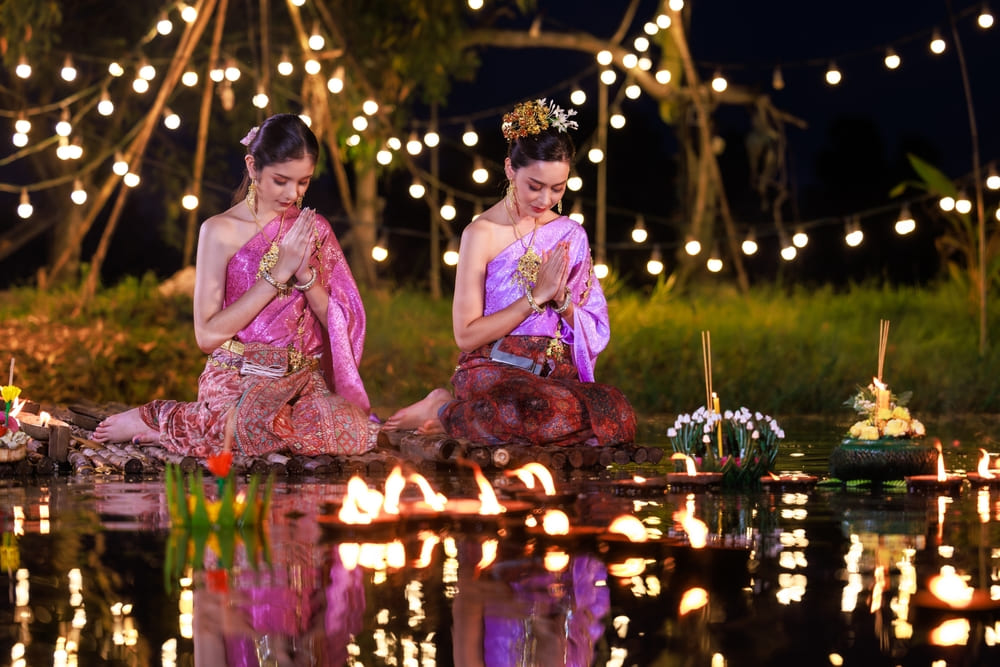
<point x="881" y="395"/>
<point x="716" y="409"/>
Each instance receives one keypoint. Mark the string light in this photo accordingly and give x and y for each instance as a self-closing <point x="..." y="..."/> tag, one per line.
<point x="655" y="264"/>
<point x="189" y="78"/>
<point x="413" y="145"/>
<point x="360" y="123"/>
<point x="639" y="234"/>
<point x="617" y="118"/>
<point x="23" y="69"/>
<point x="833" y="75"/>
<point x="992" y="178"/>
<point x="23" y="125"/>
<point x="947" y="204"/>
<point x="800" y="239"/>
<point x="232" y="70"/>
<point x="905" y="223"/>
<point x="394" y="143"/>
<point x="676" y="5"/>
<point x="217" y="73"/>
<point x="601" y="266"/>
<point x="595" y="155"/>
<point x="641" y="43"/>
<point x="714" y="263"/>
<point x="479" y="173"/>
<point x="630" y="60"/>
<point x="140" y="85"/>
<point x="432" y="139"/>
<point x="354" y="140"/>
<point x="719" y="83"/>
<point x="120" y="166"/>
<point x="68" y="72"/>
<point x="604" y="57"/>
<point x="985" y="18"/>
<point x="63" y="150"/>
<point x="448" y="211"/>
<point x="475" y="5"/>
<point x="645" y="63"/>
<point x="75" y="149"/>
<point x="298" y="3"/>
<point x="19" y="139"/>
<point x="189" y="201"/>
<point x="384" y="157"/>
<point x="692" y="246"/>
<point x="78" y="195"/>
<point x="578" y="96"/>
<point x="25" y="209"/>
<point x="577" y="213"/>
<point x="892" y="59"/>
<point x="663" y="76"/>
<point x="470" y="138"/>
<point x="146" y="71"/>
<point x="335" y="84"/>
<point x="963" y="205"/>
<point x="788" y="250"/>
<point x="164" y="26"/>
<point x="608" y="77"/>
<point x="285" y="66"/>
<point x="450" y="257"/>
<point x="171" y="120"/>
<point x="188" y="13"/>
<point x="260" y="99"/>
<point x="131" y="179"/>
<point x="937" y="44"/>
<point x="380" y="251"/>
<point x="777" y="79"/>
<point x="854" y="235"/>
<point x="417" y="189"/>
<point x="63" y="127"/>
<point x="650" y="28"/>
<point x="312" y="67"/>
<point x="663" y="21"/>
<point x="115" y="69"/>
<point x="749" y="245"/>
<point x="574" y="183"/>
<point x="633" y="91"/>
<point x="105" y="106"/>
<point x="369" y="107"/>
<point x="316" y="40"/>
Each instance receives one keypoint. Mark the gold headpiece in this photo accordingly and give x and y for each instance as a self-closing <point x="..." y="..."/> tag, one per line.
<point x="535" y="116"/>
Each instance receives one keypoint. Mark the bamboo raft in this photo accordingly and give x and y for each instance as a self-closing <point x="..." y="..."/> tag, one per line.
<point x="67" y="448"/>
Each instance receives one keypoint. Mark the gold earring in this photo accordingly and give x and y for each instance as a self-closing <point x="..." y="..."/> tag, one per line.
<point x="252" y="196"/>
<point x="559" y="207"/>
<point x="298" y="202"/>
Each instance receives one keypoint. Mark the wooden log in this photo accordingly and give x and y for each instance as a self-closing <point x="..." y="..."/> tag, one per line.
<point x="352" y="465"/>
<point x="575" y="457"/>
<point x="621" y="456"/>
<point x="294" y="466"/>
<point x="435" y="448"/>
<point x="43" y="465"/>
<point x="501" y="457"/>
<point x="606" y="457"/>
<point x="539" y="455"/>
<point x="655" y="454"/>
<point x="187" y="464"/>
<point x="59" y="438"/>
<point x="82" y="465"/>
<point x="638" y="454"/>
<point x="311" y="466"/>
<point x="481" y="456"/>
<point x="559" y="460"/>
<point x="131" y="465"/>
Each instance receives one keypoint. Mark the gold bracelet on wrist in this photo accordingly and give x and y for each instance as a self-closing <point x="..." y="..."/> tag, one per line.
<point x="566" y="301"/>
<point x="283" y="288"/>
<point x="531" y="301"/>
<point x="307" y="284"/>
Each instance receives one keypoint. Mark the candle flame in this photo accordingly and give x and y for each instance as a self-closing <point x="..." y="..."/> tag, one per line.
<point x="394" y="484"/>
<point x="395" y="555"/>
<point x="984" y="465"/>
<point x="349" y="553"/>
<point x="942" y="476"/>
<point x="689" y="462"/>
<point x="556" y="560"/>
<point x="555" y="522"/>
<point x="879" y="384"/>
<point x="631" y="567"/>
<point x="437" y="501"/>
<point x="773" y="476"/>
<point x="638" y="479"/>
<point x="489" y="554"/>
<point x="429" y="540"/>
<point x="695" y="528"/>
<point x="878" y="587"/>
<point x="361" y="505"/>
<point x="43" y="418"/>
<point x="953" y="632"/>
<point x="693" y="598"/>
<point x="630" y="527"/>
<point x="529" y="471"/>
<point x="488" y="504"/>
<point x="950" y="587"/>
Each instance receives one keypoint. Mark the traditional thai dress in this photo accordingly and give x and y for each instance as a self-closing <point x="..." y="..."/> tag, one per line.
<point x="293" y="383"/>
<point x="536" y="385"/>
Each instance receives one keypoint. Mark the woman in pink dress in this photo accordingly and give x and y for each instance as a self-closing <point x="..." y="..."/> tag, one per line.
<point x="528" y="314"/>
<point x="278" y="312"/>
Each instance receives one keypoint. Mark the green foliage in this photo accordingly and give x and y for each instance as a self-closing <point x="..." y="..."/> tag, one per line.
<point x="778" y="352"/>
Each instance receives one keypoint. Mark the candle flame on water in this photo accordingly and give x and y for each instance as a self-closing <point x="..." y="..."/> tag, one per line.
<point x="630" y="567"/>
<point x="555" y="522"/>
<point x="950" y="587"/>
<point x="693" y="598"/>
<point x="695" y="528"/>
<point x="556" y="560"/>
<point x="436" y="500"/>
<point x="361" y="505"/>
<point x="529" y="471"/>
<point x="488" y="504"/>
<point x="942" y="476"/>
<point x="984" y="465"/>
<point x="630" y="527"/>
<point x="394" y="484"/>
<point x="878" y="587"/>
<point x="429" y="540"/>
<point x="489" y="554"/>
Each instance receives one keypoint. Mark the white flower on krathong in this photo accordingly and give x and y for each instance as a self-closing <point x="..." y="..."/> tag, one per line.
<point x="758" y="416"/>
<point x="755" y="435"/>
<point x="707" y="428"/>
<point x="750" y="425"/>
<point x="918" y="428"/>
<point x="706" y="438"/>
<point x="728" y="414"/>
<point x="671" y="432"/>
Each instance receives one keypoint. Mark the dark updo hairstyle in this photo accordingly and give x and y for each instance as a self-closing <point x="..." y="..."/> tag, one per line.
<point x="549" y="145"/>
<point x="280" y="138"/>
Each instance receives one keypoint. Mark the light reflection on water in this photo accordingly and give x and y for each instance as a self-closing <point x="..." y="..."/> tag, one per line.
<point x="828" y="576"/>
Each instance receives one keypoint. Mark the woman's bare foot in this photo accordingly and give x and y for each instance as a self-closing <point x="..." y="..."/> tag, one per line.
<point x="422" y="415"/>
<point x="125" y="427"/>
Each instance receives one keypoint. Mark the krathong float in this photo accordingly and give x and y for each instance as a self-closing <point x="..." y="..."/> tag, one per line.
<point x="13" y="439"/>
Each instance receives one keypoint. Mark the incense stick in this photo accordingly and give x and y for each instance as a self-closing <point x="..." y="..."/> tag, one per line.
<point x="883" y="343"/>
<point x="11" y="380"/>
<point x="706" y="358"/>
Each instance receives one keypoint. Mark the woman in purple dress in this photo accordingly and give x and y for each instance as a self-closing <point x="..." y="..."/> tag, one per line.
<point x="528" y="314"/>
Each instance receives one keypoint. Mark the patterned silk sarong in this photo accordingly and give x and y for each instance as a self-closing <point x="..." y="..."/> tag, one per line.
<point x="498" y="403"/>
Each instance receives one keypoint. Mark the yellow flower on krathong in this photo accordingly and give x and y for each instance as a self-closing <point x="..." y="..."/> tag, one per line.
<point x="868" y="433"/>
<point x="895" y="428"/>
<point x="884" y="414"/>
<point x="899" y="412"/>
<point x="917" y="428"/>
<point x="856" y="428"/>
<point x="9" y="392"/>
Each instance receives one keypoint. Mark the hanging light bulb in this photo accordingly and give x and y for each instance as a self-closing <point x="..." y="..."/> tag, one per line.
<point x="335" y="84"/>
<point x="384" y="157"/>
<point x="120" y="166"/>
<point x="992" y="178"/>
<point x="448" y="211"/>
<point x="170" y="119"/>
<point x="630" y="60"/>
<point x="663" y="76"/>
<point x="431" y="139"/>
<point x="905" y="223"/>
<point x="655" y="264"/>
<point x="23" y="69"/>
<point x="663" y="21"/>
<point x="380" y="251"/>
<point x="650" y="28"/>
<point x="394" y="143"/>
<point x="962" y="204"/>
<point x="285" y="66"/>
<point x="217" y="73"/>
<point x="617" y="118"/>
<point x="131" y="179"/>
<point x="163" y="25"/>
<point x="417" y="189"/>
<point x="601" y="269"/>
<point x="260" y="99"/>
<point x="604" y="57"/>
<point x="470" y="138"/>
<point x="105" y="106"/>
<point x="639" y="234"/>
<point x="312" y="67"/>
<point x="892" y="59"/>
<point x="359" y="123"/>
<point x="641" y="43"/>
<point x="189" y="201"/>
<point x="140" y="85"/>
<point x="19" y="139"/>
<point x="450" y="257"/>
<point x="63" y="127"/>
<point x="188" y="13"/>
<point x="788" y="250"/>
<point x="854" y="235"/>
<point x="78" y="195"/>
<point x="645" y="63"/>
<point x="595" y="155"/>
<point x="23" y="125"/>
<point x="479" y="173"/>
<point x="146" y="71"/>
<point x="833" y="75"/>
<point x="676" y="5"/>
<point x="608" y="77"/>
<point x="68" y="71"/>
<point x="75" y="149"/>
<point x="719" y="83"/>
<point x="316" y="40"/>
<point x="115" y="69"/>
<point x="985" y="18"/>
<point x="25" y="209"/>
<point x="369" y="107"/>
<point x="714" y="263"/>
<point x="692" y="246"/>
<point x="574" y="183"/>
<point x="475" y="5"/>
<point x="937" y="44"/>
<point x="354" y="140"/>
<point x="947" y="204"/>
<point x="578" y="96"/>
<point x="800" y="239"/>
<point x="577" y="213"/>
<point x="63" y="149"/>
<point x="232" y="72"/>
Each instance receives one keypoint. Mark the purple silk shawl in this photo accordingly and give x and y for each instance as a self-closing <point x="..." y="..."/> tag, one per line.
<point x="590" y="332"/>
<point x="342" y="343"/>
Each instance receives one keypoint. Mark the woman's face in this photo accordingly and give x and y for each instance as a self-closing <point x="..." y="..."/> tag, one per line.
<point x="281" y="183"/>
<point x="539" y="185"/>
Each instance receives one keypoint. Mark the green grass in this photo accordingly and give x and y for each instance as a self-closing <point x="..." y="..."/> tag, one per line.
<point x="780" y="352"/>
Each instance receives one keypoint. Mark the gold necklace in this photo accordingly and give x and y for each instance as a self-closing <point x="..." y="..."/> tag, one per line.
<point x="526" y="274"/>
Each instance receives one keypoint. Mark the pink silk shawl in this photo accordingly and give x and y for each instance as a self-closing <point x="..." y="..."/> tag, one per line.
<point x="342" y="344"/>
<point x="590" y="332"/>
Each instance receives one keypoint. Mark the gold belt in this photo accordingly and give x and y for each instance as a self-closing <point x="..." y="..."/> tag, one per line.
<point x="296" y="359"/>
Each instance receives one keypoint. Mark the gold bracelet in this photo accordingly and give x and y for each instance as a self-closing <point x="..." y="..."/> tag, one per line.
<point x="307" y="284"/>
<point x="531" y="301"/>
<point x="283" y="288"/>
<point x="566" y="301"/>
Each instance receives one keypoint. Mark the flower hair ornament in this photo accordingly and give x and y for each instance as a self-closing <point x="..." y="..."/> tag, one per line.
<point x="535" y="116"/>
<point x="251" y="135"/>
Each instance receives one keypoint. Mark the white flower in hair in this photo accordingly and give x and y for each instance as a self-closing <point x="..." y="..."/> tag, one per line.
<point x="559" y="118"/>
<point x="251" y="135"/>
